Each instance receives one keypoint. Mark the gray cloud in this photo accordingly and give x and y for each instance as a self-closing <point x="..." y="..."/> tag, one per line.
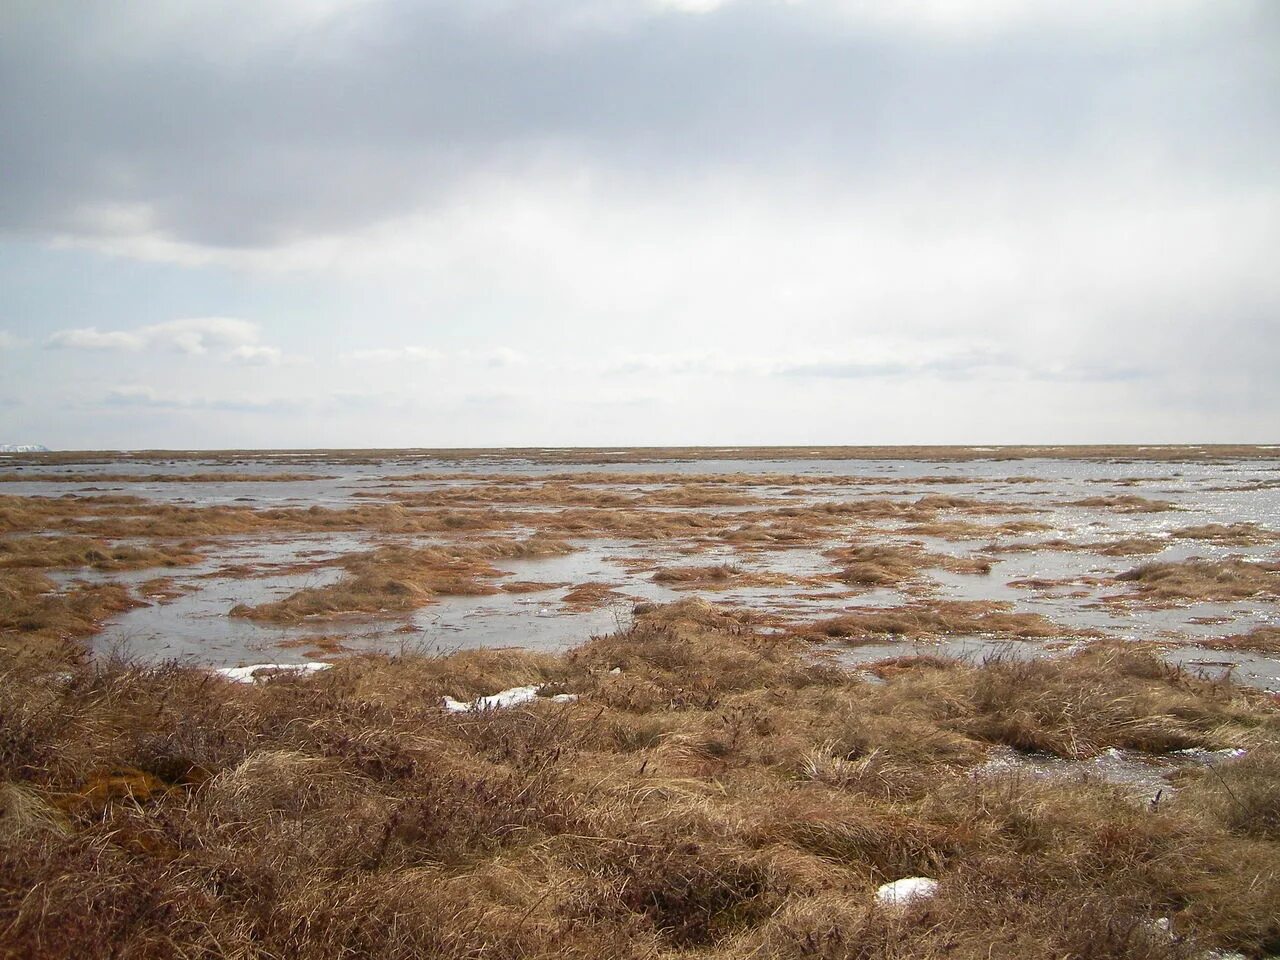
<point x="247" y="128"/>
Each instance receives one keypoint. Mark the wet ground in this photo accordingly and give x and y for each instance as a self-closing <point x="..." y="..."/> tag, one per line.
<point x="190" y="620"/>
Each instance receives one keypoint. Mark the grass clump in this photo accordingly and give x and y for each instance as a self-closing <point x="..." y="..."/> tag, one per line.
<point x="933" y="618"/>
<point x="1203" y="580"/>
<point x="386" y="580"/>
<point x="714" y="792"/>
<point x="1125" y="503"/>
<point x="1257" y="640"/>
<point x="46" y="552"/>
<point x="880" y="565"/>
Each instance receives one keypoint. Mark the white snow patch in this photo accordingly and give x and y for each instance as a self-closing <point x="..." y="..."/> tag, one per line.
<point x="905" y="891"/>
<point x="260" y="671"/>
<point x="507" y="698"/>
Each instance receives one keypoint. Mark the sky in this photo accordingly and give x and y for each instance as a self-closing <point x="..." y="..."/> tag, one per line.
<point x="374" y="223"/>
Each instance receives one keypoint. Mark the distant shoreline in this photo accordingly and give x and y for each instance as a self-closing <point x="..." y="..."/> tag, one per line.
<point x="583" y="455"/>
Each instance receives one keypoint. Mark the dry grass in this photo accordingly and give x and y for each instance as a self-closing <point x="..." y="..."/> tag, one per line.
<point x="722" y="576"/>
<point x="1257" y="640"/>
<point x="206" y="477"/>
<point x="591" y="595"/>
<point x="880" y="565"/>
<point x="1129" y="547"/>
<point x="1203" y="580"/>
<point x="1231" y="534"/>
<point x="720" y="796"/>
<point x="1125" y="503"/>
<point x="386" y="580"/>
<point x="933" y="618"/>
<point x="35" y="552"/>
<point x="44" y="622"/>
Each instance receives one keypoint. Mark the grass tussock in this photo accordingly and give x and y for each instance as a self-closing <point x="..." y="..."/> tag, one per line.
<point x="70" y="552"/>
<point x="1257" y="640"/>
<point x="1206" y="580"/>
<point x="1229" y="534"/>
<point x="723" y="576"/>
<point x="1125" y="503"/>
<point x="933" y="618"/>
<point x="714" y="792"/>
<point x="882" y="565"/>
<point x="386" y="580"/>
<point x="45" y="622"/>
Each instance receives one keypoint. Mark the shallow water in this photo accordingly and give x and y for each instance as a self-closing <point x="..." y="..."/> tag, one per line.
<point x="196" y="626"/>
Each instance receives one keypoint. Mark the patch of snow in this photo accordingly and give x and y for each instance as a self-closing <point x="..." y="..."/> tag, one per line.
<point x="23" y="448"/>
<point x="899" y="893"/>
<point x="506" y="698"/>
<point x="261" y="671"/>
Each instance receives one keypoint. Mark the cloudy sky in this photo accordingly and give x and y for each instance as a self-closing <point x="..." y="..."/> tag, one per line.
<point x="441" y="223"/>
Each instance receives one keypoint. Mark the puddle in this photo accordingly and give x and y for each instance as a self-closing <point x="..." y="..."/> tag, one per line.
<point x="1141" y="775"/>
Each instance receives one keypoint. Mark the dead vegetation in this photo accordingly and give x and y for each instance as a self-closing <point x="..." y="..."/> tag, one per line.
<point x="387" y="580"/>
<point x="1229" y="534"/>
<point x="1125" y="503"/>
<point x="1257" y="640"/>
<point x="45" y="622"/>
<point x="722" y="576"/>
<point x="21" y="476"/>
<point x="887" y="565"/>
<point x="922" y="619"/>
<point x="1203" y="580"/>
<point x="64" y="552"/>
<point x="713" y="793"/>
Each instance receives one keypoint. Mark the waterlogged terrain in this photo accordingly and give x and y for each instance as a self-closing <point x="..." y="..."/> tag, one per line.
<point x="241" y="558"/>
<point x="642" y="704"/>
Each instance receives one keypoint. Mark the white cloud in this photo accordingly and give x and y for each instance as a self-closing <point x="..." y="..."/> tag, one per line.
<point x="9" y="341"/>
<point x="257" y="355"/>
<point x="392" y="354"/>
<point x="91" y="338"/>
<point x="231" y="338"/>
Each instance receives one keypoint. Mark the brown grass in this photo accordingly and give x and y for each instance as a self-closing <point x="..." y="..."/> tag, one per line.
<point x="722" y="576"/>
<point x="1257" y="640"/>
<point x="933" y="618"/>
<point x="721" y="796"/>
<point x="386" y="580"/>
<point x="590" y="595"/>
<point x="34" y="552"/>
<point x="1130" y="546"/>
<point x="1125" y="503"/>
<point x="1203" y="580"/>
<point x="876" y="565"/>
<point x="40" y="620"/>
<point x="25" y="477"/>
<point x="1232" y="534"/>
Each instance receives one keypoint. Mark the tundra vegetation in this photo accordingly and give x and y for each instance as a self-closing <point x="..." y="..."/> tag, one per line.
<point x="712" y="792"/>
<point x="719" y="782"/>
